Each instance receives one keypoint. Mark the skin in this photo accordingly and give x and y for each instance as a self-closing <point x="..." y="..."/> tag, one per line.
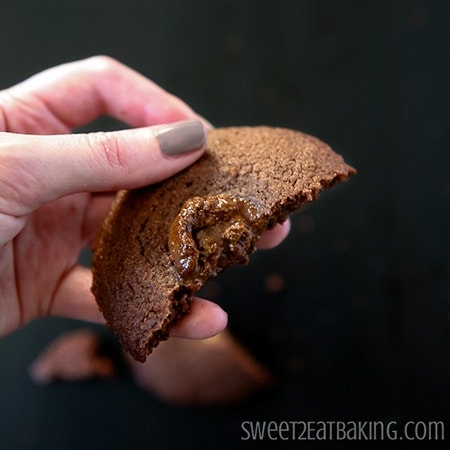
<point x="56" y="186"/>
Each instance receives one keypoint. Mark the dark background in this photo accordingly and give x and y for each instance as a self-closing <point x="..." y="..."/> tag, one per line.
<point x="361" y="329"/>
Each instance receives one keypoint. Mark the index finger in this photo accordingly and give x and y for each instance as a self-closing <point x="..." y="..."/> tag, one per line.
<point x="78" y="92"/>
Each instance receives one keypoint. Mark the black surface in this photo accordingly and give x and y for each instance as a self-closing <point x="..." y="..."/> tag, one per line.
<point x="361" y="330"/>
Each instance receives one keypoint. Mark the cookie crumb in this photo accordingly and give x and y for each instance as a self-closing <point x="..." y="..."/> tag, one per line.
<point x="73" y="356"/>
<point x="275" y="283"/>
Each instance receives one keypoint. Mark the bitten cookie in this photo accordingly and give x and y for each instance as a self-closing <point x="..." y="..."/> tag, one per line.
<point x="159" y="244"/>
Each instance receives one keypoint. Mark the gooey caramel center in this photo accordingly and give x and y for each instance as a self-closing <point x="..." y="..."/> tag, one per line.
<point x="212" y="233"/>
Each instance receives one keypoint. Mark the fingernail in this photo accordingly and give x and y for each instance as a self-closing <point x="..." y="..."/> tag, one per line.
<point x="180" y="137"/>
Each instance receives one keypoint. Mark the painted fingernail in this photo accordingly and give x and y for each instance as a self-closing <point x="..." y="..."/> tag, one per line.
<point x="180" y="137"/>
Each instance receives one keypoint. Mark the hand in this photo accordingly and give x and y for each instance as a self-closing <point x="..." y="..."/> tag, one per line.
<point x="55" y="187"/>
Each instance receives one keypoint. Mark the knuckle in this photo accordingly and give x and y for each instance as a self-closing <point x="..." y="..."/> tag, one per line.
<point x="102" y="64"/>
<point x="106" y="149"/>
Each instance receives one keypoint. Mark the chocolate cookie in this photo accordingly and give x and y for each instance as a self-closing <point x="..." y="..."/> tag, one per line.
<point x="159" y="244"/>
<point x="73" y="356"/>
<point x="191" y="372"/>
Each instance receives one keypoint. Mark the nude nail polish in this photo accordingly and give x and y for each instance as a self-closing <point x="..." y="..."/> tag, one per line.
<point x="180" y="137"/>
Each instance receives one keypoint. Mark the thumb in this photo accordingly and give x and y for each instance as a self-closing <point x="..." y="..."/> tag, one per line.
<point x="37" y="169"/>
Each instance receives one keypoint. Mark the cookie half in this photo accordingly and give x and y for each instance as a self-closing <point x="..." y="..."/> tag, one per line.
<point x="161" y="243"/>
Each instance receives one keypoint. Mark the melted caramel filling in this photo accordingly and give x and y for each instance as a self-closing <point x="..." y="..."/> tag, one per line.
<point x="212" y="233"/>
